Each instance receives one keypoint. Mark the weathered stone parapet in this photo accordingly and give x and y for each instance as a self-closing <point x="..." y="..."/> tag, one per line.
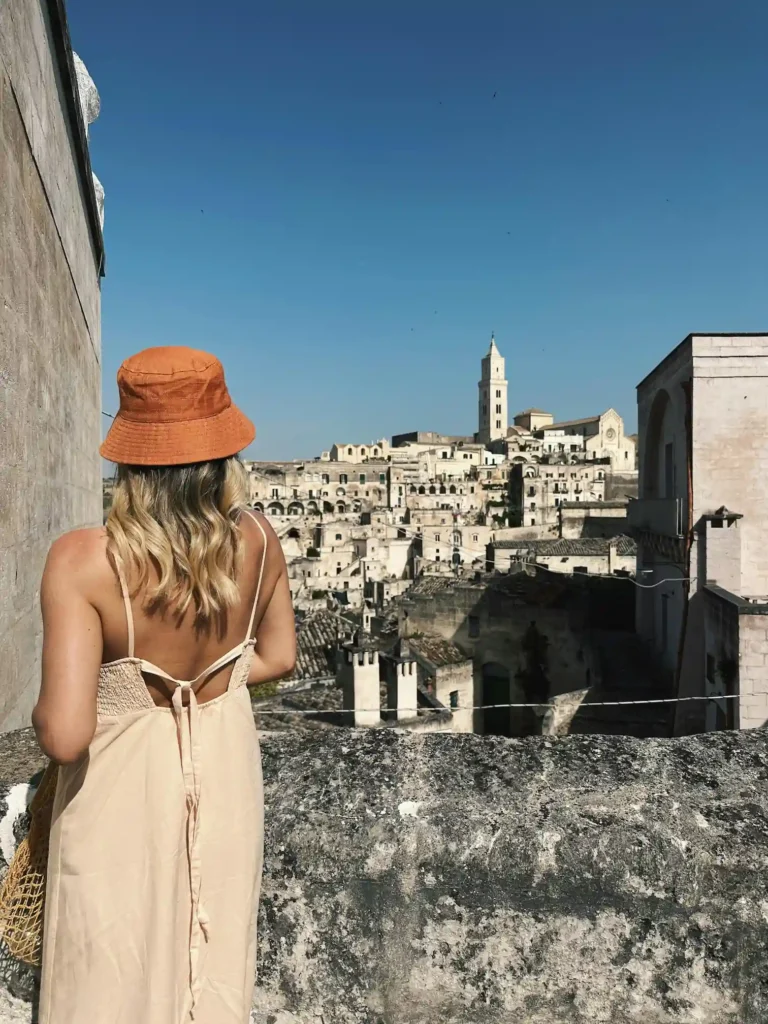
<point x="456" y="879"/>
<point x="90" y="107"/>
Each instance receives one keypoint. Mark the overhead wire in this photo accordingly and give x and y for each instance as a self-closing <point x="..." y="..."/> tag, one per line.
<point x="487" y="707"/>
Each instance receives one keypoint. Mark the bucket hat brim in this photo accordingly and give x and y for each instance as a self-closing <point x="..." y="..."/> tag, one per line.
<point x="132" y="443"/>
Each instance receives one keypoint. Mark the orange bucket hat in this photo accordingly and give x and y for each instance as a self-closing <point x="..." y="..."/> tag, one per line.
<point x="174" y="409"/>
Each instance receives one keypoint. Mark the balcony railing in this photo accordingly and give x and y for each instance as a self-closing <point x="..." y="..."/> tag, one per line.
<point x="662" y="516"/>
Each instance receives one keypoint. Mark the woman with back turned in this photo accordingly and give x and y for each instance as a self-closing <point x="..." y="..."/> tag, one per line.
<point x="152" y="628"/>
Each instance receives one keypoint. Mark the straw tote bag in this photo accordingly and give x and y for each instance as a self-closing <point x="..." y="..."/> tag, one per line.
<point x="22" y="894"/>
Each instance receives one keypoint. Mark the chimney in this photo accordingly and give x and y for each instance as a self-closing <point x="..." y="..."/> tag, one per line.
<point x="358" y="674"/>
<point x="401" y="675"/>
<point x="721" y="556"/>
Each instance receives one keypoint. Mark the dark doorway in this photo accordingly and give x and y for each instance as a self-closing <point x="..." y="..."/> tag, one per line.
<point x="669" y="470"/>
<point x="496" y="690"/>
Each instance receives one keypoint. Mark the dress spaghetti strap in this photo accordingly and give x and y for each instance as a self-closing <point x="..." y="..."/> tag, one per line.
<point x="128" y="609"/>
<point x="261" y="575"/>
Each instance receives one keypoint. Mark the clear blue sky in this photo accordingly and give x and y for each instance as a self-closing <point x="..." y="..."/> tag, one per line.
<point x="329" y="197"/>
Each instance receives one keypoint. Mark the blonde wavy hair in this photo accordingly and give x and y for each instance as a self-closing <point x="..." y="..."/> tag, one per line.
<point x="181" y="521"/>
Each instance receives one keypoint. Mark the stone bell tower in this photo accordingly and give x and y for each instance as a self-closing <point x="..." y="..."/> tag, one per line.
<point x="492" y="398"/>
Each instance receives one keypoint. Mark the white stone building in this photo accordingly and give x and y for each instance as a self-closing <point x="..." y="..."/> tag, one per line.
<point x="601" y="556"/>
<point x="531" y="420"/>
<point x="594" y="437"/>
<point x="376" y="450"/>
<point x="310" y="488"/>
<point x="700" y="526"/>
<point x="592" y="519"/>
<point x="538" y="489"/>
<point x="447" y="541"/>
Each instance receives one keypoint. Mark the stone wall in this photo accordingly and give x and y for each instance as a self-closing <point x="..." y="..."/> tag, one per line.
<point x="455" y="879"/>
<point x="718" y="638"/>
<point x="730" y="442"/>
<point x="490" y="626"/>
<point x="620" y="486"/>
<point x="50" y="382"/>
<point x="592" y="519"/>
<point x="753" y="671"/>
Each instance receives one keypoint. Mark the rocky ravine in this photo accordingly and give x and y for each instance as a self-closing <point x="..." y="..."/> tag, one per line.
<point x="417" y="879"/>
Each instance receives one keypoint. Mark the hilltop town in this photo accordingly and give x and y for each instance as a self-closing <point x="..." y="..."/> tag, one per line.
<point x="362" y="520"/>
<point x="536" y="576"/>
<point x="380" y="536"/>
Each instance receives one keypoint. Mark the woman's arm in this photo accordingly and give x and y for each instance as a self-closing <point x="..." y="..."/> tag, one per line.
<point x="275" y="654"/>
<point x="65" y="715"/>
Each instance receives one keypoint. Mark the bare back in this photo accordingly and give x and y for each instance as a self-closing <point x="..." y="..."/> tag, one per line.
<point x="175" y="645"/>
<point x="85" y="627"/>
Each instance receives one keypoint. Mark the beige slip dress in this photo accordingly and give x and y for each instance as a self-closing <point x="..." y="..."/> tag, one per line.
<point x="156" y="852"/>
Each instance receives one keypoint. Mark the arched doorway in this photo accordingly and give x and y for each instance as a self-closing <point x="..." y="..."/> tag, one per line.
<point x="496" y="689"/>
<point x="275" y="508"/>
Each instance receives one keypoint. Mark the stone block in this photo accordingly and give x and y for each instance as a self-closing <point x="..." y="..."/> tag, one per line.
<point x="752" y="662"/>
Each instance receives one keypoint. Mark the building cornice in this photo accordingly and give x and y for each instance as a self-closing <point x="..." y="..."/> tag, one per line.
<point x="65" y="61"/>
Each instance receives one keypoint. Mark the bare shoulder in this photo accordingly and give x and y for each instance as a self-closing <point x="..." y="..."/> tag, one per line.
<point x="78" y="554"/>
<point x="252" y="520"/>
